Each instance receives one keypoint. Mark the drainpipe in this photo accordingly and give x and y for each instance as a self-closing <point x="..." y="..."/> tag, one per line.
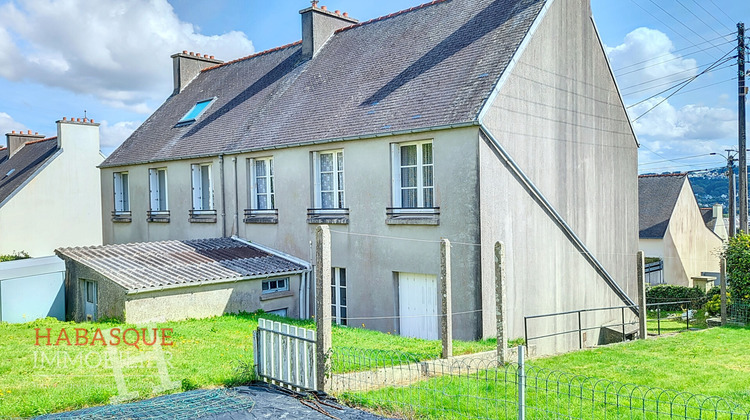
<point x="223" y="198"/>
<point x="236" y="199"/>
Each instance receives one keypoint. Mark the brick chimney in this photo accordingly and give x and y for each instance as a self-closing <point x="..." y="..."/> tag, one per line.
<point x="186" y="67"/>
<point x="318" y="24"/>
<point x="16" y="141"/>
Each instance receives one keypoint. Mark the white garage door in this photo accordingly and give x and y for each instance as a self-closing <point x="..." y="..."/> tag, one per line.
<point x="417" y="301"/>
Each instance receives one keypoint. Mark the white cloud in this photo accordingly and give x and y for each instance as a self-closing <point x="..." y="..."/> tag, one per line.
<point x="112" y="136"/>
<point x="116" y="50"/>
<point x="690" y="122"/>
<point x="645" y="64"/>
<point x="7" y="125"/>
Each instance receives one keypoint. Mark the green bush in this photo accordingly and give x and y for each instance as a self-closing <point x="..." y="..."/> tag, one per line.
<point x="713" y="306"/>
<point x="672" y="293"/>
<point x="14" y="256"/>
<point x="737" y="255"/>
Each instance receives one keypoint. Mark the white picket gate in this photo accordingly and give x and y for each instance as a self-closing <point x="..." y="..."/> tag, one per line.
<point x="285" y="355"/>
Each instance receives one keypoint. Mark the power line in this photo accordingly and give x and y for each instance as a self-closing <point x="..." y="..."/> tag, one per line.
<point x="697" y="17"/>
<point x="679" y="21"/>
<point x="668" y="77"/>
<point x="683" y="84"/>
<point x="679" y="50"/>
<point x="674" y="160"/>
<point x="712" y="84"/>
<point x="722" y="11"/>
<point x="663" y="23"/>
<point x="671" y="59"/>
<point x="711" y="14"/>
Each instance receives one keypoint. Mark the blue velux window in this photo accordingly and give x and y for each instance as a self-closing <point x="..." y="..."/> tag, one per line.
<point x="196" y="111"/>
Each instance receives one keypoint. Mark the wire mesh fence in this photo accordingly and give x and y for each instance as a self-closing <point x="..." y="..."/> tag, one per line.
<point x="478" y="387"/>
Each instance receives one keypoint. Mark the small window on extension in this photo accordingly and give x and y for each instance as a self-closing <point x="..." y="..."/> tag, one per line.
<point x="195" y="112"/>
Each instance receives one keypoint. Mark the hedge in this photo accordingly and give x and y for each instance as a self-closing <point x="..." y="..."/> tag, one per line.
<point x="672" y="293"/>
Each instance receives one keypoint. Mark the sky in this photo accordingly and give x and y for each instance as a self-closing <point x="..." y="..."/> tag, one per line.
<point x="109" y="60"/>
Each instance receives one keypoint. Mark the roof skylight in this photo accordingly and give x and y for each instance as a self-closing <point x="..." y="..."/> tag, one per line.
<point x="195" y="112"/>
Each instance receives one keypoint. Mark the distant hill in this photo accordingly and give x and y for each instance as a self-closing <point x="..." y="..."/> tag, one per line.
<point x="711" y="186"/>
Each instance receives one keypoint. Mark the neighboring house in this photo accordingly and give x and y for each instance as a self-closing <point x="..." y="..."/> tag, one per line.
<point x="714" y="219"/>
<point x="50" y="194"/>
<point x="501" y="123"/>
<point x="672" y="228"/>
<point x="173" y="280"/>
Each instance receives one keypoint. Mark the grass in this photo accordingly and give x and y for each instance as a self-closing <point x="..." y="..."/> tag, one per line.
<point x="206" y="353"/>
<point x="710" y="362"/>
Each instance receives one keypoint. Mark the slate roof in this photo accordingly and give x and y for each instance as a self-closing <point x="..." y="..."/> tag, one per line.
<point x="23" y="164"/>
<point x="708" y="216"/>
<point x="151" y="265"/>
<point x="657" y="196"/>
<point x="429" y="66"/>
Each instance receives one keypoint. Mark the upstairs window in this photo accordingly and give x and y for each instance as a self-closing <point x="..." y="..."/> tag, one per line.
<point x="413" y="186"/>
<point x="329" y="179"/>
<point x="157" y="180"/>
<point x="121" y="192"/>
<point x="262" y="194"/>
<point x="203" y="194"/>
<point x="195" y="112"/>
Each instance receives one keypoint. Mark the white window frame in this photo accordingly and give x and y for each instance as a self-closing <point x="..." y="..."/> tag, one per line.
<point x="397" y="186"/>
<point x="197" y="170"/>
<point x="280" y="284"/>
<point x="339" y="195"/>
<point x="269" y="182"/>
<point x="121" y="184"/>
<point x="158" y="198"/>
<point x="339" y="311"/>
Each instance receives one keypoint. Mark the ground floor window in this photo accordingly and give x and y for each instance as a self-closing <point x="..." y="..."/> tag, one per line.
<point x="278" y="312"/>
<point x="276" y="285"/>
<point x="338" y="295"/>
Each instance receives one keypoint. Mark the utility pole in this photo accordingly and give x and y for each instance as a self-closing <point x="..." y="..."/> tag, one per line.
<point x="741" y="114"/>
<point x="732" y="210"/>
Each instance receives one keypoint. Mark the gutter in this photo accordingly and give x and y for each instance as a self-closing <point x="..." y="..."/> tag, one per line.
<point x="303" y="143"/>
<point x="559" y="221"/>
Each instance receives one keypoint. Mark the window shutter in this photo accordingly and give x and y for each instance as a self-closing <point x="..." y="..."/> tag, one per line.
<point x="396" y="174"/>
<point x="117" y="183"/>
<point x="316" y="180"/>
<point x="252" y="198"/>
<point x="197" y="197"/>
<point x="153" y="188"/>
<point x="207" y="168"/>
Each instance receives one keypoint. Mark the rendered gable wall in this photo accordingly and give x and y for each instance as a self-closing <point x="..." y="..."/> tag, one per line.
<point x="690" y="248"/>
<point x="61" y="205"/>
<point x="560" y="117"/>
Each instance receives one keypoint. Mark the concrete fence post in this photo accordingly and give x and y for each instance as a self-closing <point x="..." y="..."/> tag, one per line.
<point x="500" y="307"/>
<point x="322" y="306"/>
<point x="642" y="308"/>
<point x="446" y="320"/>
<point x="723" y="283"/>
<point x="521" y="383"/>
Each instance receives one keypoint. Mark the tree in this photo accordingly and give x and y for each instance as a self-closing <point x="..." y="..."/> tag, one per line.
<point x="737" y="255"/>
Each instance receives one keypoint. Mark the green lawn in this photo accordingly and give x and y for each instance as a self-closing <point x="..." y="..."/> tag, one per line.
<point x="206" y="353"/>
<point x="709" y="362"/>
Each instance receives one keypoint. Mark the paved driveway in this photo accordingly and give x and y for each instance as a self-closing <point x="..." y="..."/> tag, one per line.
<point x="248" y="402"/>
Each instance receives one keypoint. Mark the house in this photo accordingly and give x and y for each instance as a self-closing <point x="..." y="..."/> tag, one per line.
<point x="501" y="123"/>
<point x="50" y="195"/>
<point x="672" y="228"/>
<point x="173" y="280"/>
<point x="713" y="217"/>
